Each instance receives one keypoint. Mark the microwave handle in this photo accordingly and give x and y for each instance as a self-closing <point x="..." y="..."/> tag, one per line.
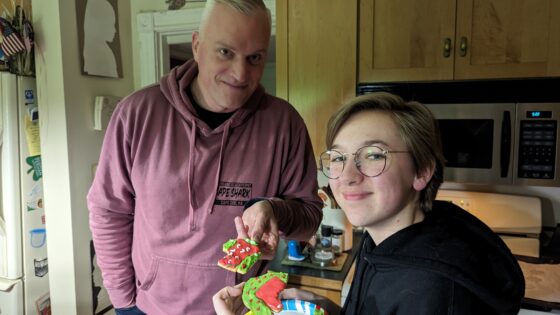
<point x="505" y="148"/>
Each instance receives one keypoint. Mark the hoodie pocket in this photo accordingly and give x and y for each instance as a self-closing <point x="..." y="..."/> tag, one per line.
<point x="150" y="276"/>
<point x="177" y="284"/>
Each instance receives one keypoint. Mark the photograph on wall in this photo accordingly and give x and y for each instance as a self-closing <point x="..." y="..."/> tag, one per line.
<point x="98" y="37"/>
<point x="43" y="305"/>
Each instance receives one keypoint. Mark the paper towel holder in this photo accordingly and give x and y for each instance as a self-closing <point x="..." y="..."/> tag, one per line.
<point x="103" y="109"/>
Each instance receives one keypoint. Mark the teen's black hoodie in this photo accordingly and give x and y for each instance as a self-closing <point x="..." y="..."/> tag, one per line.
<point x="450" y="263"/>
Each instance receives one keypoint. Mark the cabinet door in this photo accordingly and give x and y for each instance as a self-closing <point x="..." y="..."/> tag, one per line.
<point x="316" y="59"/>
<point x="332" y="295"/>
<point x="508" y="38"/>
<point x="404" y="40"/>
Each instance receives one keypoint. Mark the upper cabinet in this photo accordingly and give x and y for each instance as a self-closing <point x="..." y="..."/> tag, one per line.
<point x="414" y="40"/>
<point x="403" y="40"/>
<point x="507" y="39"/>
<point x="316" y="46"/>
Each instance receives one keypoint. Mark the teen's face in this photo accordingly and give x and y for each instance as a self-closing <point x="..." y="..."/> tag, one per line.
<point x="382" y="204"/>
<point x="231" y="54"/>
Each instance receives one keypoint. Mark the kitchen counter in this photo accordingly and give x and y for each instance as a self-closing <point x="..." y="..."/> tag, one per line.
<point x="324" y="282"/>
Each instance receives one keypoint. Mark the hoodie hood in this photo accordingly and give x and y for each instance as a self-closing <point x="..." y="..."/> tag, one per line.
<point x="173" y="86"/>
<point x="455" y="244"/>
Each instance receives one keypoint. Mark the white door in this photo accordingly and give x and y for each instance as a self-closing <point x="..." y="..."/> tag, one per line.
<point x="34" y="234"/>
<point x="11" y="297"/>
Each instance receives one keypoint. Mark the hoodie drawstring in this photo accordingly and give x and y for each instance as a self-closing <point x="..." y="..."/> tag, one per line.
<point x="225" y="137"/>
<point x="190" y="172"/>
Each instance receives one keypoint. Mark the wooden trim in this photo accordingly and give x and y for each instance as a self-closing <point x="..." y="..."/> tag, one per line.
<point x="365" y="40"/>
<point x="282" y="49"/>
<point x="554" y="40"/>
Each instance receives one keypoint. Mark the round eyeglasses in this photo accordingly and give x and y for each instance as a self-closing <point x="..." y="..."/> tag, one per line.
<point x="370" y="161"/>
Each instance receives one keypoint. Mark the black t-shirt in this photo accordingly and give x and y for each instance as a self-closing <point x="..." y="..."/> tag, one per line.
<point x="212" y="119"/>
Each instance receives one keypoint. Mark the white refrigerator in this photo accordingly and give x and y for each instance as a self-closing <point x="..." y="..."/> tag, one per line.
<point x="24" y="283"/>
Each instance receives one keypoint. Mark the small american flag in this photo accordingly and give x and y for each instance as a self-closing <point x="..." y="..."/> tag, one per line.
<point x="12" y="42"/>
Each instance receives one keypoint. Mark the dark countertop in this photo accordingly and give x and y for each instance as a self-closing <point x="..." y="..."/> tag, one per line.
<point x="276" y="263"/>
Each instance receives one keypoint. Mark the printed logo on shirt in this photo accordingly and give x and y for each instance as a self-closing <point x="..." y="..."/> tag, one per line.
<point x="233" y="194"/>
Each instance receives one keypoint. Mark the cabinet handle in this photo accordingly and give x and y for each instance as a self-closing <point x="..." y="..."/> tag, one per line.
<point x="446" y="47"/>
<point x="463" y="47"/>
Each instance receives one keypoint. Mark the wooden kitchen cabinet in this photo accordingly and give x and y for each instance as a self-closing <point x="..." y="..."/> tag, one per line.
<point x="316" y="48"/>
<point x="414" y="40"/>
<point x="403" y="40"/>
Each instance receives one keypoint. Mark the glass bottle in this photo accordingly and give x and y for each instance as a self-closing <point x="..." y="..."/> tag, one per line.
<point x="337" y="241"/>
<point x="323" y="254"/>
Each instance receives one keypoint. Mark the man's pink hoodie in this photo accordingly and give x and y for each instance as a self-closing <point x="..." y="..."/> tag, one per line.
<point x="168" y="187"/>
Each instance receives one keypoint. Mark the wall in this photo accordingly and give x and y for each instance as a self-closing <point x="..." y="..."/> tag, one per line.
<point x="7" y="7"/>
<point x="268" y="80"/>
<point x="69" y="144"/>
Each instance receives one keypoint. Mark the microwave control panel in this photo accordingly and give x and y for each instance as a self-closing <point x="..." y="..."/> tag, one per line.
<point x="537" y="149"/>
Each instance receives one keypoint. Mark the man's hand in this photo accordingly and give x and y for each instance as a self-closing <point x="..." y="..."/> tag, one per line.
<point x="259" y="224"/>
<point x="228" y="300"/>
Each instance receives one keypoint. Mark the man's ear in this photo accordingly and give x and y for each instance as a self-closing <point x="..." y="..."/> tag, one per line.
<point x="195" y="44"/>
<point x="423" y="177"/>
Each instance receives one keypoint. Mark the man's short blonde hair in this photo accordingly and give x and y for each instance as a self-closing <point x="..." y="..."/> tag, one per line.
<point x="246" y="7"/>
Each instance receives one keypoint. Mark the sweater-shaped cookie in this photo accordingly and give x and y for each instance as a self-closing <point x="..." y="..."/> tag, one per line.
<point x="260" y="294"/>
<point x="241" y="254"/>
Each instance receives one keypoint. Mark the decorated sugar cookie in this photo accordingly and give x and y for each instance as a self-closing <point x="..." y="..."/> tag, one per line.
<point x="260" y="294"/>
<point x="241" y="254"/>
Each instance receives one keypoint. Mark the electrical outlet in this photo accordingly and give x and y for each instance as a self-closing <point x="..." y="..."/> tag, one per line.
<point x="464" y="203"/>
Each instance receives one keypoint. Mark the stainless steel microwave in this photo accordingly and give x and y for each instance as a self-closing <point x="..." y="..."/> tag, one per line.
<point x="500" y="143"/>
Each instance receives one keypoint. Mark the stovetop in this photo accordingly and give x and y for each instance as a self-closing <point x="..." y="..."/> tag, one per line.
<point x="517" y="219"/>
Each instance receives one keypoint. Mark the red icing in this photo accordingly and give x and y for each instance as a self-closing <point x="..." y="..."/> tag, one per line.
<point x="269" y="291"/>
<point x="237" y="253"/>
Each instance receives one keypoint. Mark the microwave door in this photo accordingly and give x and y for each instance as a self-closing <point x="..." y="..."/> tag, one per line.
<point x="477" y="141"/>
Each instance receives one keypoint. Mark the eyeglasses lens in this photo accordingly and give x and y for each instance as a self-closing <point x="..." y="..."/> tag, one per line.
<point x="370" y="161"/>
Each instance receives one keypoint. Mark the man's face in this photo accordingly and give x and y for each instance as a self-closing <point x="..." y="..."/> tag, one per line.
<point x="231" y="53"/>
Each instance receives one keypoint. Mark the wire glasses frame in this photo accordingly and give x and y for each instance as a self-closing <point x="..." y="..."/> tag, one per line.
<point x="370" y="161"/>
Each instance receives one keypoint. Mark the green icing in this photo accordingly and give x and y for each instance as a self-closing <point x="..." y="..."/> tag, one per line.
<point x="227" y="245"/>
<point x="251" y="301"/>
<point x="319" y="312"/>
<point x="248" y="263"/>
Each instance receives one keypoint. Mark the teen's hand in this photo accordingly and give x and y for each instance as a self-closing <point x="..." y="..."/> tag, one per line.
<point x="228" y="300"/>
